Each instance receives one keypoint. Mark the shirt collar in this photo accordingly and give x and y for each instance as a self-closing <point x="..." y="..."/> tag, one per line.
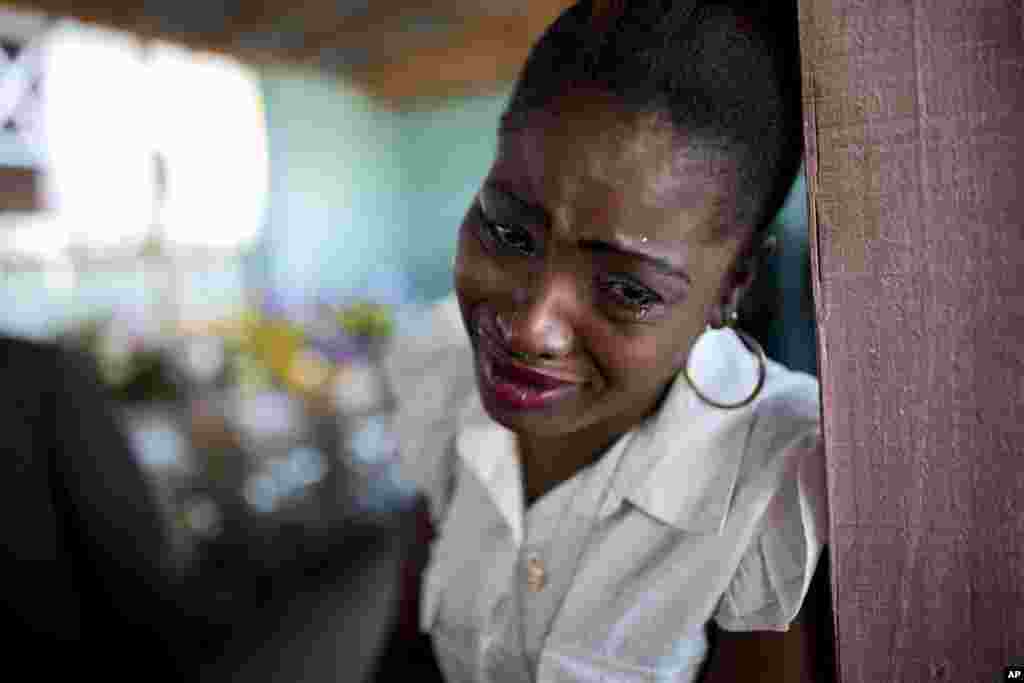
<point x="685" y="460"/>
<point x="490" y="453"/>
<point x="680" y="466"/>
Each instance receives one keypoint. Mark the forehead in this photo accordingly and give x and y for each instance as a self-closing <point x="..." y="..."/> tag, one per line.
<point x="587" y="153"/>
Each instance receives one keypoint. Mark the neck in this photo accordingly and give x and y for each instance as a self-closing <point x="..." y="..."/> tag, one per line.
<point x="548" y="461"/>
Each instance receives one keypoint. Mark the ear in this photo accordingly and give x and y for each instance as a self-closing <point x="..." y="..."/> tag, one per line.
<point x="741" y="276"/>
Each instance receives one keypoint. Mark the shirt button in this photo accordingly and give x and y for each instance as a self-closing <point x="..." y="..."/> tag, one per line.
<point x="499" y="608"/>
<point x="535" y="574"/>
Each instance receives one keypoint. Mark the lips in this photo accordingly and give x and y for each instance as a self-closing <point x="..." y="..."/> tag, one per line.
<point x="508" y="385"/>
<point x="525" y="376"/>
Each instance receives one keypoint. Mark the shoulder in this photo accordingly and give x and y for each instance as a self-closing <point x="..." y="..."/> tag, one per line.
<point x="25" y="412"/>
<point x="24" y="355"/>
<point x="50" y="365"/>
<point x="428" y="366"/>
<point x="33" y="372"/>
<point x="790" y="399"/>
<point x="779" y="510"/>
<point x="785" y="421"/>
<point x="430" y="369"/>
<point x="431" y="374"/>
<point x="783" y="443"/>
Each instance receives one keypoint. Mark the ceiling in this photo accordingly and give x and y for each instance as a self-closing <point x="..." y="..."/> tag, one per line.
<point x="393" y="49"/>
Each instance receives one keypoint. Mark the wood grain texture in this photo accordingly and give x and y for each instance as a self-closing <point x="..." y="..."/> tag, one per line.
<point x="397" y="50"/>
<point x="915" y="137"/>
<point x="480" y="58"/>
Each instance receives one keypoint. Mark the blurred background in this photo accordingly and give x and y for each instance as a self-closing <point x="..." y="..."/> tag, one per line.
<point x="235" y="209"/>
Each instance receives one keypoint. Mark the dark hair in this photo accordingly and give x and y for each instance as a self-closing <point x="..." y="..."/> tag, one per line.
<point x="725" y="71"/>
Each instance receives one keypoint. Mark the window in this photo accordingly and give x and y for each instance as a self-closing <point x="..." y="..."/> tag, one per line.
<point x="111" y="107"/>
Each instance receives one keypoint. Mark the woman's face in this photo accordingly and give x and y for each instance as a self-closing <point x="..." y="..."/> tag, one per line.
<point x="592" y="248"/>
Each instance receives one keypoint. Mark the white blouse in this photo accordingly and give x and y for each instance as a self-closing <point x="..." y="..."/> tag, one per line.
<point x="697" y="514"/>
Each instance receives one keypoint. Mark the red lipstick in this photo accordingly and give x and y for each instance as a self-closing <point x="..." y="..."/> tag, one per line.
<point x="508" y="385"/>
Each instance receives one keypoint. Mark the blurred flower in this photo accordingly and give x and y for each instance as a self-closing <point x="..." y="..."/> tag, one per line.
<point x="261" y="492"/>
<point x="268" y="416"/>
<point x="203" y="358"/>
<point x="202" y="516"/>
<point x="285" y="478"/>
<point x="308" y="371"/>
<point x="276" y="343"/>
<point x="129" y="355"/>
<point x="218" y="465"/>
<point x="250" y="374"/>
<point x="159" y="445"/>
<point x="358" y="388"/>
<point x="307" y="465"/>
<point x="365" y="319"/>
<point x="374" y="441"/>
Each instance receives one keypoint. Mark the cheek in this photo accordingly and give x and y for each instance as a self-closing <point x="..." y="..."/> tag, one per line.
<point x="627" y="360"/>
<point x="651" y="358"/>
<point x="642" y="355"/>
<point x="475" y="273"/>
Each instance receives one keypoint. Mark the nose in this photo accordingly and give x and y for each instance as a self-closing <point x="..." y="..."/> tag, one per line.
<point x="539" y="323"/>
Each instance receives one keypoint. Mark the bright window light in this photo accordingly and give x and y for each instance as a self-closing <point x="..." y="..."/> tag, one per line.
<point x="208" y="123"/>
<point x="111" y="105"/>
<point x="98" y="132"/>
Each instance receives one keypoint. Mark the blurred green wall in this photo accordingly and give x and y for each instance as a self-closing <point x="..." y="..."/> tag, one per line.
<point x="333" y="163"/>
<point x="365" y="199"/>
<point x="447" y="150"/>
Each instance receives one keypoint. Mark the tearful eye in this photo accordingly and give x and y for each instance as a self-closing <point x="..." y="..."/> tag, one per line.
<point x="512" y="237"/>
<point x="508" y="237"/>
<point x="631" y="293"/>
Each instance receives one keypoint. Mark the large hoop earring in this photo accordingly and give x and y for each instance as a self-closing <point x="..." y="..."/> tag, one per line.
<point x="762" y="370"/>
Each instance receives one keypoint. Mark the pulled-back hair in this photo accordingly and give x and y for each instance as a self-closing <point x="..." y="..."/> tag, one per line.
<point x="726" y="72"/>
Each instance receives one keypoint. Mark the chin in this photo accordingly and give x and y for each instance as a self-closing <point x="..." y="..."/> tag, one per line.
<point x="541" y="427"/>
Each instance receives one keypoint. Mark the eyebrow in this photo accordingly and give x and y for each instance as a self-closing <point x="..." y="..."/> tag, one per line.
<point x="664" y="265"/>
<point x="540" y="215"/>
<point x="514" y="202"/>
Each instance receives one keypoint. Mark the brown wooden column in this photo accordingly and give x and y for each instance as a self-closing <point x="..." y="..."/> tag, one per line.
<point x="915" y="132"/>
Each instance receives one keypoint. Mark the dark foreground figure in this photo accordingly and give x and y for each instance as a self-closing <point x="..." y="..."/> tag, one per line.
<point x="87" y="586"/>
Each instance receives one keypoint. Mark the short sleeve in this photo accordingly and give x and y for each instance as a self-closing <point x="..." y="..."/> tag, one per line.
<point x="775" y="570"/>
<point x="430" y="375"/>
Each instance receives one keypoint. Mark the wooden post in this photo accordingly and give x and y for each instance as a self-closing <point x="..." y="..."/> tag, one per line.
<point x="915" y="135"/>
